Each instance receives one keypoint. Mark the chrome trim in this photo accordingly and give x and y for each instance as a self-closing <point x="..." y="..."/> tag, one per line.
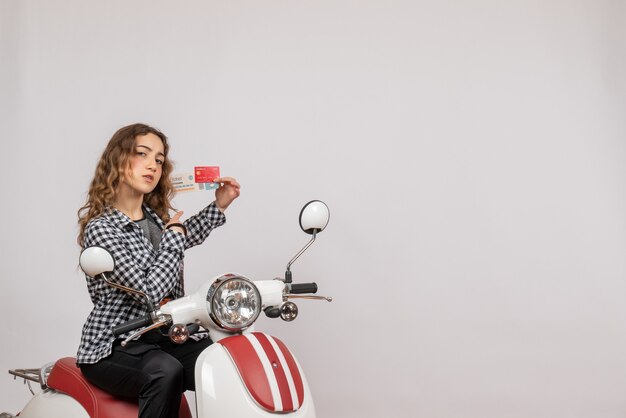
<point x="301" y="251"/>
<point x="44" y="372"/>
<point x="39" y="375"/>
<point x="288" y="311"/>
<point x="178" y="333"/>
<point x="129" y="290"/>
<point x="26" y="374"/>
<point x="163" y="320"/>
<point x="156" y="315"/>
<point x="326" y="298"/>
<point x="211" y="294"/>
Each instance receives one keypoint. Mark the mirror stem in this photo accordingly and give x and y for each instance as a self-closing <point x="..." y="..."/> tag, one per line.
<point x="130" y="290"/>
<point x="288" y="271"/>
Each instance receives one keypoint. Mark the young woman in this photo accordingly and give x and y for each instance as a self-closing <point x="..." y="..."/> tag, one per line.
<point x="127" y="213"/>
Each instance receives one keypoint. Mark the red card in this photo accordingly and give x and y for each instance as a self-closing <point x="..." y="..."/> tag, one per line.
<point x="206" y="174"/>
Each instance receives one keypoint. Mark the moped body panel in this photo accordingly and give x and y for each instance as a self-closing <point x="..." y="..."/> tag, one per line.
<point x="193" y="308"/>
<point x="223" y="390"/>
<point x="52" y="404"/>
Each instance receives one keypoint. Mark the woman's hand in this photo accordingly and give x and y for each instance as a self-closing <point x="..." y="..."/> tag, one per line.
<point x="228" y="191"/>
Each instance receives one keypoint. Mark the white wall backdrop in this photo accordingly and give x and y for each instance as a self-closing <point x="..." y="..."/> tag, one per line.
<point x="472" y="155"/>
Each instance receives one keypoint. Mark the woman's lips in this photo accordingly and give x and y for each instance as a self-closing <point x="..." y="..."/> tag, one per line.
<point x="149" y="178"/>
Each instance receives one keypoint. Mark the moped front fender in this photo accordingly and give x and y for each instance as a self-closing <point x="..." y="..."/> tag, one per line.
<point x="251" y="375"/>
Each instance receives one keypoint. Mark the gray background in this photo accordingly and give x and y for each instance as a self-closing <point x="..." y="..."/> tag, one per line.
<point x="472" y="155"/>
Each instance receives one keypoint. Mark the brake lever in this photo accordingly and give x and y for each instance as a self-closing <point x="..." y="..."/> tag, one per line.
<point x="292" y="296"/>
<point x="162" y="321"/>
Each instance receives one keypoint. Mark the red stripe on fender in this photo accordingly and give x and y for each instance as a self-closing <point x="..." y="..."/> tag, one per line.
<point x="250" y="369"/>
<point x="279" y="372"/>
<point x="293" y="368"/>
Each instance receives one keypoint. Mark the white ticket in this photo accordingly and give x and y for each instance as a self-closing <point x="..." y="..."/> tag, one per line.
<point x="184" y="182"/>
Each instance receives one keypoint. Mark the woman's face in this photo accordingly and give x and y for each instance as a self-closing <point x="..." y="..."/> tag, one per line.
<point x="146" y="164"/>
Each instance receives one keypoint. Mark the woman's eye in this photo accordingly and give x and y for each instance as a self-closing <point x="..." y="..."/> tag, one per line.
<point x="159" y="162"/>
<point x="143" y="154"/>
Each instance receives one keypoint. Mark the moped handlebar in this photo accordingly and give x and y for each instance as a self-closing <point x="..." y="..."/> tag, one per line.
<point x="299" y="288"/>
<point x="132" y="325"/>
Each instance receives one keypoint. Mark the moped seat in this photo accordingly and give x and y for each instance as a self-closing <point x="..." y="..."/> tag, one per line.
<point x="67" y="378"/>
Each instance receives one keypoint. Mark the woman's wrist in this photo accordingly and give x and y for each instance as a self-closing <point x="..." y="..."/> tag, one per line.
<point x="220" y="208"/>
<point x="178" y="227"/>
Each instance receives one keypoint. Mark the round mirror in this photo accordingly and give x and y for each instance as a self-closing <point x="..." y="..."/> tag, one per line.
<point x="96" y="260"/>
<point x="314" y="217"/>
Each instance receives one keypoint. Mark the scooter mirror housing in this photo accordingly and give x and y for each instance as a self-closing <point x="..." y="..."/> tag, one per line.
<point x="314" y="217"/>
<point x="96" y="260"/>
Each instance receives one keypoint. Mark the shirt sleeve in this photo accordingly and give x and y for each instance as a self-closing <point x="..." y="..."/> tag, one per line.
<point x="200" y="226"/>
<point x="157" y="278"/>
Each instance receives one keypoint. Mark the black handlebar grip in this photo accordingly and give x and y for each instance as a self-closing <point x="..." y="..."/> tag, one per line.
<point x="131" y="325"/>
<point x="297" y="288"/>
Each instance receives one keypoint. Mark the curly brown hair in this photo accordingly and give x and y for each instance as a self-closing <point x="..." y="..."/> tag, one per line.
<point x="113" y="166"/>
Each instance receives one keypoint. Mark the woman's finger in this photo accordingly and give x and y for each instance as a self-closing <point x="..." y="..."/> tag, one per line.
<point x="226" y="180"/>
<point x="176" y="217"/>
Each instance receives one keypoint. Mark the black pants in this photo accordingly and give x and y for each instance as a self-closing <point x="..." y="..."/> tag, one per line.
<point x="153" y="369"/>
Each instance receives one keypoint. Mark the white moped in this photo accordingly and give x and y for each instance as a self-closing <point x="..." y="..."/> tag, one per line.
<point x="243" y="374"/>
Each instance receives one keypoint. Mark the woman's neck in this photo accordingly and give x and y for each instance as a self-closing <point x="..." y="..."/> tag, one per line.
<point x="129" y="203"/>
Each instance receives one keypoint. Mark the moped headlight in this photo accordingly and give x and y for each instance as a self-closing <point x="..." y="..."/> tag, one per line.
<point x="234" y="302"/>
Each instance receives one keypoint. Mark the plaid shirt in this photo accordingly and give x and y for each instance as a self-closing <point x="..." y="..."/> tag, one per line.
<point x="158" y="273"/>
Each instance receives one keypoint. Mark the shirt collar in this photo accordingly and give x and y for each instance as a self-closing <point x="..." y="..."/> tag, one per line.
<point x="120" y="220"/>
